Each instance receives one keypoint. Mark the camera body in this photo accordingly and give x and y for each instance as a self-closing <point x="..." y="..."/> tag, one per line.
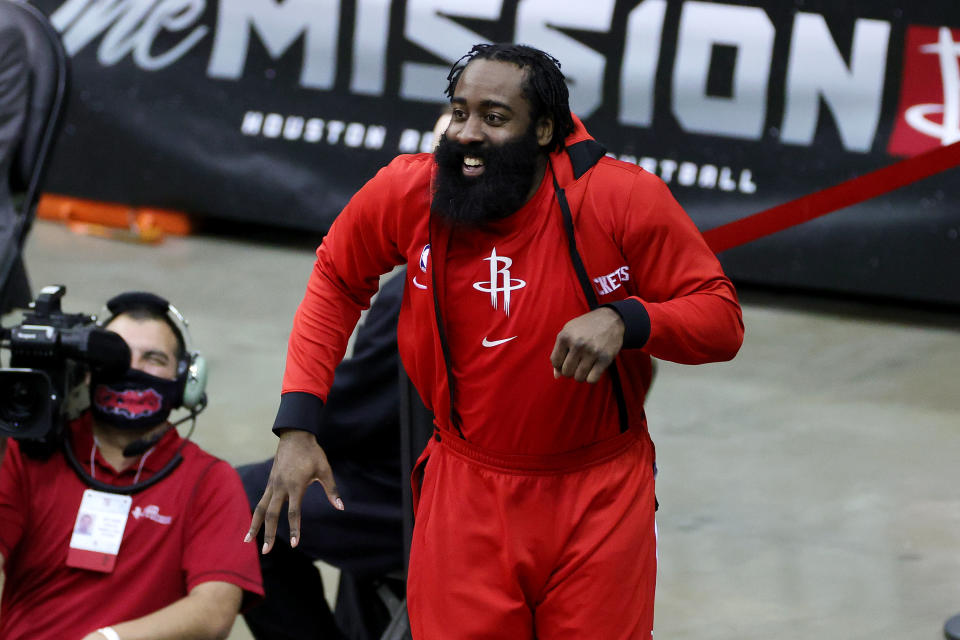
<point x="51" y="352"/>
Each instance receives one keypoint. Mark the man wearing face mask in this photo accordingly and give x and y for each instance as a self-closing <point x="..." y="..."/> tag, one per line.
<point x="129" y="530"/>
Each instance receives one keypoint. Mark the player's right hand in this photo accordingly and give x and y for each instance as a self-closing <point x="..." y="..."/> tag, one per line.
<point x="299" y="462"/>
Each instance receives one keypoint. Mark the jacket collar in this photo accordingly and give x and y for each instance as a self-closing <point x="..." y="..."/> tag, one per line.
<point x="580" y="153"/>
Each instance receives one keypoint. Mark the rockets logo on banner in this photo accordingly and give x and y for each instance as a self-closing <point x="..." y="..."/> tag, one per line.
<point x="929" y="112"/>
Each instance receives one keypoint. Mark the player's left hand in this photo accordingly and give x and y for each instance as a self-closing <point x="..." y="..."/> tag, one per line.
<point x="587" y="345"/>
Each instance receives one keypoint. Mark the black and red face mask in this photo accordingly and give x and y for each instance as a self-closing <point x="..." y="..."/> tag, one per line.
<point x="135" y="401"/>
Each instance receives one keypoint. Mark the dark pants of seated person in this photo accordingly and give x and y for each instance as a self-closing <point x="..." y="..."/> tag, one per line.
<point x="365" y="541"/>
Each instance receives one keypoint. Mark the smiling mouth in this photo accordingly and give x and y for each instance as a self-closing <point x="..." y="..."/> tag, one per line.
<point x="472" y="166"/>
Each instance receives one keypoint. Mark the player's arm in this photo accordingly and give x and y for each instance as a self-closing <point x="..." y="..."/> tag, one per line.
<point x="686" y="310"/>
<point x="361" y="245"/>
<point x="206" y="613"/>
<point x="321" y="328"/>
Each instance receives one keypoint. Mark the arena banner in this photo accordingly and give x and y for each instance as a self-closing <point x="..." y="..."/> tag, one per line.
<point x="276" y="111"/>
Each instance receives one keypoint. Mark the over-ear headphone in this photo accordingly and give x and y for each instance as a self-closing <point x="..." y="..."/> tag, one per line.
<point x="192" y="367"/>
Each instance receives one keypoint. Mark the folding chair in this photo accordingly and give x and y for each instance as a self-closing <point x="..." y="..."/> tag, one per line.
<point x="46" y="102"/>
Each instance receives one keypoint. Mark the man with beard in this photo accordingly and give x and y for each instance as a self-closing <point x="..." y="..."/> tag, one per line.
<point x="160" y="555"/>
<point x="542" y="277"/>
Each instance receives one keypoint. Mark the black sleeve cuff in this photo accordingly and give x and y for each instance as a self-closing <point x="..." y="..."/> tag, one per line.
<point x="299" y="410"/>
<point x="636" y="322"/>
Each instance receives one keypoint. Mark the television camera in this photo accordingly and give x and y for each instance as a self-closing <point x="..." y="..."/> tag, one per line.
<point x="51" y="353"/>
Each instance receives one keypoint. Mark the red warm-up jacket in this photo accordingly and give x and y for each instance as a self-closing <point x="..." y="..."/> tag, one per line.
<point x="499" y="295"/>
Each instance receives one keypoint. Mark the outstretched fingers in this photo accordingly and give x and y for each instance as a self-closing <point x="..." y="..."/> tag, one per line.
<point x="256" y="521"/>
<point x="329" y="484"/>
<point x="332" y="494"/>
<point x="268" y="511"/>
<point x="299" y="462"/>
<point x="293" y="517"/>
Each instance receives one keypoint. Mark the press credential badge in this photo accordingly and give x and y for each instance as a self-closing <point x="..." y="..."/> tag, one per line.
<point x="98" y="531"/>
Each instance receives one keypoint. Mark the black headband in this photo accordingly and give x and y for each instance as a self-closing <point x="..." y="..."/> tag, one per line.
<point x="138" y="300"/>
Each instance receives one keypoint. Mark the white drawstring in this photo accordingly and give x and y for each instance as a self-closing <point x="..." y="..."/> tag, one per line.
<point x="143" y="459"/>
<point x="93" y="456"/>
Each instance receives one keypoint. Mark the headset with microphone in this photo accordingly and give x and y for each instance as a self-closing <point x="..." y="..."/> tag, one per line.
<point x="191" y="365"/>
<point x="191" y="384"/>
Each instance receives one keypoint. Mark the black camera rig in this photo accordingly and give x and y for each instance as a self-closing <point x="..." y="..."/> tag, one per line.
<point x="51" y="353"/>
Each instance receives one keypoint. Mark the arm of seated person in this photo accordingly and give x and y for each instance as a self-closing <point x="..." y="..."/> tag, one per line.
<point x="207" y="612"/>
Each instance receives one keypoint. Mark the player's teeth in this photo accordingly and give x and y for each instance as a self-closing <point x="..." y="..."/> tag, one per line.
<point x="473" y="162"/>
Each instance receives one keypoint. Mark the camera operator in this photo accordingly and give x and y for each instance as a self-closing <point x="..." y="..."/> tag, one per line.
<point x="128" y="530"/>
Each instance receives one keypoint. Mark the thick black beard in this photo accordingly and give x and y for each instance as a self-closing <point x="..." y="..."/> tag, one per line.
<point x="501" y="189"/>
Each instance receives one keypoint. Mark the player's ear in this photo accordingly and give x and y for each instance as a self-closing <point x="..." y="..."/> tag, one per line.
<point x="544" y="131"/>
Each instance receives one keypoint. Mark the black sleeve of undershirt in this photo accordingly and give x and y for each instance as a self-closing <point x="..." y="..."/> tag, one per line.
<point x="299" y="410"/>
<point x="636" y="322"/>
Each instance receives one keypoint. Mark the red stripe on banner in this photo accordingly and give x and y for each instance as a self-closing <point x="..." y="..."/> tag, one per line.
<point x="819" y="203"/>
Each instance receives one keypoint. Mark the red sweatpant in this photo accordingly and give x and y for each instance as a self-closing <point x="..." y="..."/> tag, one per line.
<point x="522" y="547"/>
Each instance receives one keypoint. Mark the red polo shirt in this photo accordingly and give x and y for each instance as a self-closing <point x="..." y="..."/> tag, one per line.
<point x="185" y="530"/>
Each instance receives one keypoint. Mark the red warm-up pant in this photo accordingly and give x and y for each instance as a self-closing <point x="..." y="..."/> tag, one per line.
<point x="558" y="547"/>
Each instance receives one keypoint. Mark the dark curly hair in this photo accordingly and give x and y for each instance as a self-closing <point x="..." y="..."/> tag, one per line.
<point x="543" y="85"/>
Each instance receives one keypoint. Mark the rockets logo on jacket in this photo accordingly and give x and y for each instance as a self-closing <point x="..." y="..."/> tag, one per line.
<point x="129" y="403"/>
<point x="500" y="281"/>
